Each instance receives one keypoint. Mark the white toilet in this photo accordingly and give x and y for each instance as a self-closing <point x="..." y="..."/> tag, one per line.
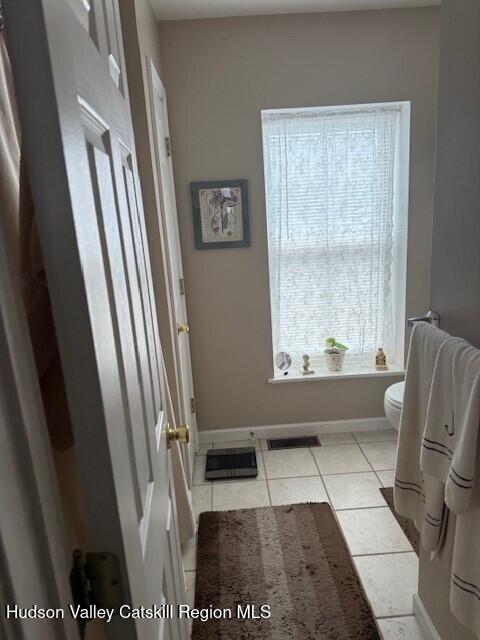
<point x="393" y="402"/>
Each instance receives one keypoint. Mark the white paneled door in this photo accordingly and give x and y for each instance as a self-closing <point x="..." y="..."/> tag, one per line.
<point x="73" y="99"/>
<point x="168" y="207"/>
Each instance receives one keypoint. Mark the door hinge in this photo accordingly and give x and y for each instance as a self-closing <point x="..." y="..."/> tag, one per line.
<point x="95" y="580"/>
<point x="168" y="146"/>
<point x="193" y="406"/>
<point x="182" y="287"/>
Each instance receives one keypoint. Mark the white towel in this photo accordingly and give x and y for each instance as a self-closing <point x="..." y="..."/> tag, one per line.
<point x="449" y="446"/>
<point x="465" y="571"/>
<point x="462" y="491"/>
<point x="421" y="496"/>
<point x="418" y="496"/>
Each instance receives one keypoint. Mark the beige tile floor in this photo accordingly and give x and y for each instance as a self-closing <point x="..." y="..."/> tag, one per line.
<point x="347" y="471"/>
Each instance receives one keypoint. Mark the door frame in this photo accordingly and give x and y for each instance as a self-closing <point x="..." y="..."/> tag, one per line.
<point x="138" y="56"/>
<point x="153" y="79"/>
<point x="135" y="62"/>
<point x="33" y="549"/>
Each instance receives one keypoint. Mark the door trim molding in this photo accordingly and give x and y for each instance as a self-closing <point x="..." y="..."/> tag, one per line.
<point x="293" y="429"/>
<point x="169" y="217"/>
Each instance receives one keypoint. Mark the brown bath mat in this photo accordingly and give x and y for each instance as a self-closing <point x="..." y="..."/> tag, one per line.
<point x="407" y="525"/>
<point x="292" y="558"/>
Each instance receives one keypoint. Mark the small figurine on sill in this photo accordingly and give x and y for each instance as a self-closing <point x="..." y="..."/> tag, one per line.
<point x="306" y="371"/>
<point x="381" y="361"/>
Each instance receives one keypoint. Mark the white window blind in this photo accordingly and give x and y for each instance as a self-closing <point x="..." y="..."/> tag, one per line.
<point x="333" y="221"/>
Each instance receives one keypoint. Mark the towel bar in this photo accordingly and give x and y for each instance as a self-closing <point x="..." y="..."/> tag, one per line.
<point x="432" y="317"/>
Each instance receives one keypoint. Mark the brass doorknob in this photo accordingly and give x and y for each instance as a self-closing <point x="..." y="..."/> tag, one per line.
<point x="183" y="328"/>
<point x="180" y="434"/>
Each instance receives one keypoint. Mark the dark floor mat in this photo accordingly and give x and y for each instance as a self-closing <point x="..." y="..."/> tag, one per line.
<point x="291" y="558"/>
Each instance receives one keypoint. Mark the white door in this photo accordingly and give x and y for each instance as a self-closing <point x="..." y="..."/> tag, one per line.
<point x="161" y="140"/>
<point x="72" y="93"/>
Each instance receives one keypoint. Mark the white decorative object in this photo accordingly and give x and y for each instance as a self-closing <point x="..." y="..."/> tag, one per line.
<point x="334" y="354"/>
<point x="306" y="371"/>
<point x="381" y="360"/>
<point x="335" y="361"/>
<point x="283" y="361"/>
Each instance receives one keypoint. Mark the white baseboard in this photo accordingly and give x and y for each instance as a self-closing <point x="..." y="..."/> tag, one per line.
<point x="424" y="621"/>
<point x="296" y="429"/>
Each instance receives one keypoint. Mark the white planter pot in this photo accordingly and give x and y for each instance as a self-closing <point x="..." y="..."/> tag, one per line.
<point x="334" y="361"/>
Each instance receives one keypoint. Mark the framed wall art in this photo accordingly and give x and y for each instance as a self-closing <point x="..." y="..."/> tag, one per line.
<point x="220" y="214"/>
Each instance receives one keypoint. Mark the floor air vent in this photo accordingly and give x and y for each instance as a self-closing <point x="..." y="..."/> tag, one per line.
<point x="293" y="443"/>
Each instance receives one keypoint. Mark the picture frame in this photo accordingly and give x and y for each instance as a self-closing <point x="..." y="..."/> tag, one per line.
<point x="220" y="214"/>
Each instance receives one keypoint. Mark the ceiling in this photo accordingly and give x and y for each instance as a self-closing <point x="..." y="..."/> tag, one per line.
<point x="190" y="9"/>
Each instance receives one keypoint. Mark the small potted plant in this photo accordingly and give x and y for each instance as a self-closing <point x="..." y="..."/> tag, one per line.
<point x="334" y="354"/>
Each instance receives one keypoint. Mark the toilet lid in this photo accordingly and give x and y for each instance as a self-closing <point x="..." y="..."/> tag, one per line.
<point x="394" y="394"/>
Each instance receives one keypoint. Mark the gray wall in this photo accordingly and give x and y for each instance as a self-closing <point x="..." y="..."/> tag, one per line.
<point x="456" y="282"/>
<point x="219" y="74"/>
<point x="456" y="233"/>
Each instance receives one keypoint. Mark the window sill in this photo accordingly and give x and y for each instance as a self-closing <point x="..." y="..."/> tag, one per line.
<point x="350" y="372"/>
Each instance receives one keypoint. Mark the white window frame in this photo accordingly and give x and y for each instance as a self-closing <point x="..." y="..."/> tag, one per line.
<point x="399" y="263"/>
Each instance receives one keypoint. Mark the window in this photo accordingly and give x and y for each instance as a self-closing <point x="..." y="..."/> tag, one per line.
<point x="336" y="188"/>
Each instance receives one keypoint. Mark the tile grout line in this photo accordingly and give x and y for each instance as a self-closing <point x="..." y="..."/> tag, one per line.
<point x="266" y="479"/>
<point x="348" y="472"/>
<point x="328" y="494"/>
<point x="343" y="473"/>
<point x="332" y="444"/>
<point x="379" y="479"/>
<point x="378" y="506"/>
<point x="346" y="444"/>
<point x="381" y="442"/>
<point x="381" y="553"/>
<point x="368" y="441"/>
<point x="323" y="483"/>
<point x="398" y="615"/>
<point x="365" y="456"/>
